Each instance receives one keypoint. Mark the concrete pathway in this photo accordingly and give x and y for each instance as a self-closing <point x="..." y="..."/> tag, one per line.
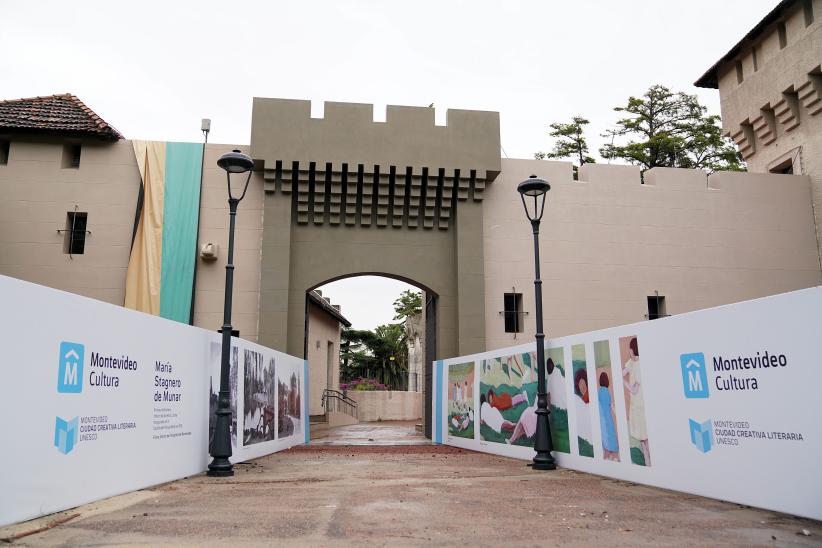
<point x="370" y="433"/>
<point x="416" y="496"/>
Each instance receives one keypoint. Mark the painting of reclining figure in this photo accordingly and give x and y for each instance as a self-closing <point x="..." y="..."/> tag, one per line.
<point x="461" y="400"/>
<point x="507" y="410"/>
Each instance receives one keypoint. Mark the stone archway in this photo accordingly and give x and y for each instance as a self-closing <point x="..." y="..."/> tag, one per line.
<point x="430" y="311"/>
<point x="346" y="195"/>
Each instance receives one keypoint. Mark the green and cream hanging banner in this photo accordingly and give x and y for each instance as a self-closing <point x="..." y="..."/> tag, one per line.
<point x="160" y="274"/>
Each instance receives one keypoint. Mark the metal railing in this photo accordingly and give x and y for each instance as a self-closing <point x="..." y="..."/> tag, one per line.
<point x="336" y="401"/>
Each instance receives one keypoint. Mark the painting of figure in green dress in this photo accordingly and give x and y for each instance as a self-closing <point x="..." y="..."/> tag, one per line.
<point x="508" y="389"/>
<point x="557" y="401"/>
<point x="605" y="397"/>
<point x="461" y="400"/>
<point x="582" y="401"/>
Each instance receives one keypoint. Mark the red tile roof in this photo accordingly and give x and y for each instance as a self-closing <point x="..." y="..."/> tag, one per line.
<point x="60" y="114"/>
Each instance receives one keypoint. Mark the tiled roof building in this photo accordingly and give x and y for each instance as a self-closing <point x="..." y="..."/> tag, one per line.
<point x="55" y="114"/>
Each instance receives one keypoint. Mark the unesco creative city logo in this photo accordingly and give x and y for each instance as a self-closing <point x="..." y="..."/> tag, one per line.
<point x="70" y="371"/>
<point x="701" y="435"/>
<point x="65" y="434"/>
<point x="694" y="375"/>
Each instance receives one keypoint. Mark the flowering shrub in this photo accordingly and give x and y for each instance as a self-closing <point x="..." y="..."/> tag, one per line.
<point x="363" y="384"/>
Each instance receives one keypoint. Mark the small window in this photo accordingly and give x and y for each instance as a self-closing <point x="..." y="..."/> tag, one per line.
<point x="739" y="75"/>
<point x="75" y="233"/>
<point x="513" y="312"/>
<point x="784" y="168"/>
<point x="783" y="34"/>
<point x="807" y="6"/>
<point x="656" y="307"/>
<point x="71" y="155"/>
<point x="755" y="57"/>
<point x="4" y="153"/>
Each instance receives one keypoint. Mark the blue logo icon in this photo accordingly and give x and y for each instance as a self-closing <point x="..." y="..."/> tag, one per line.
<point x="701" y="435"/>
<point x="70" y="372"/>
<point x="65" y="434"/>
<point x="694" y="375"/>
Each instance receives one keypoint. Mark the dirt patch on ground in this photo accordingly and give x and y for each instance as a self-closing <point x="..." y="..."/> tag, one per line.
<point x="418" y="495"/>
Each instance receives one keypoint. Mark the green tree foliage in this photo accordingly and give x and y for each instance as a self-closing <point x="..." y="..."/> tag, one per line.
<point x="569" y="142"/>
<point x="381" y="354"/>
<point x="668" y="129"/>
<point x="409" y="303"/>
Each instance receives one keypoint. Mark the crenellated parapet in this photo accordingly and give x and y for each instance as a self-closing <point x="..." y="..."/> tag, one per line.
<point x="347" y="169"/>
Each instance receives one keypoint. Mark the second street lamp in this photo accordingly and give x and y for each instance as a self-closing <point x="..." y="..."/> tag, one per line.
<point x="220" y="466"/>
<point x="536" y="189"/>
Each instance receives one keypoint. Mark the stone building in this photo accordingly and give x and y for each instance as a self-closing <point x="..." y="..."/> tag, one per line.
<point x="770" y="90"/>
<point x="325" y="322"/>
<point x="432" y="205"/>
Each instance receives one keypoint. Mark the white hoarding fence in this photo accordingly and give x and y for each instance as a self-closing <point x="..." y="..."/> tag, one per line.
<point x="100" y="400"/>
<point x="723" y="403"/>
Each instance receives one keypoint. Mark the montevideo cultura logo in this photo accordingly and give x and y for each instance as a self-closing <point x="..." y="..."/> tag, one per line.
<point x="70" y="370"/>
<point x="65" y="434"/>
<point x="701" y="434"/>
<point x="694" y="375"/>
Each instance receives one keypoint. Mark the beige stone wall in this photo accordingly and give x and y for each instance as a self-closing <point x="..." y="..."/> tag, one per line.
<point x="759" y="113"/>
<point x="322" y="331"/>
<point x="387" y="405"/>
<point x="214" y="219"/>
<point x="607" y="245"/>
<point x="35" y="195"/>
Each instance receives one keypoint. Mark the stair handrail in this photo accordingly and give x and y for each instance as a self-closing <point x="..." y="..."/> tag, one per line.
<point x="341" y="402"/>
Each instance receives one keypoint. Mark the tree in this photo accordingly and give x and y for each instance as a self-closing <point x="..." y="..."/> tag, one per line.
<point x="409" y="303"/>
<point x="356" y="359"/>
<point x="380" y="354"/>
<point x="667" y="129"/>
<point x="570" y="142"/>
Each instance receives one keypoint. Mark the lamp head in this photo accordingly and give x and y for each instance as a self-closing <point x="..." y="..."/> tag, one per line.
<point x="533" y="186"/>
<point x="536" y="188"/>
<point x="235" y="162"/>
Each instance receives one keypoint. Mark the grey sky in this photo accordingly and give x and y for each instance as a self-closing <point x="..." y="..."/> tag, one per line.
<point x="154" y="69"/>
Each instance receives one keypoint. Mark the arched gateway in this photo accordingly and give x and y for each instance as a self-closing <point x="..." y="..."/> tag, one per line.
<point x="345" y="195"/>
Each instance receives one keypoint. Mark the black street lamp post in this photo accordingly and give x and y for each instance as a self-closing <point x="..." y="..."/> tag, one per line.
<point x="220" y="466"/>
<point x="537" y="189"/>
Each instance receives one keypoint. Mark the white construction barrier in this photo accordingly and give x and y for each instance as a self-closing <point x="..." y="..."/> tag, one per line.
<point x="99" y="400"/>
<point x="723" y="402"/>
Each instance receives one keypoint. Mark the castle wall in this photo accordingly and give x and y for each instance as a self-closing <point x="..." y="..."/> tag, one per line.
<point x="608" y="242"/>
<point x="214" y="219"/>
<point x="607" y="245"/>
<point x="36" y="193"/>
<point x="775" y="113"/>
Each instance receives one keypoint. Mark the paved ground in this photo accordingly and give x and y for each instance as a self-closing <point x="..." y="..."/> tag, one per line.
<point x="370" y="433"/>
<point x="412" y="495"/>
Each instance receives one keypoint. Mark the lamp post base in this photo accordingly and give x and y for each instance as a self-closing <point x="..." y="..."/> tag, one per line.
<point x="220" y="467"/>
<point x="543" y="462"/>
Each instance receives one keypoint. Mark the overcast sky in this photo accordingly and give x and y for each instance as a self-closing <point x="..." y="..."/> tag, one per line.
<point x="154" y="69"/>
